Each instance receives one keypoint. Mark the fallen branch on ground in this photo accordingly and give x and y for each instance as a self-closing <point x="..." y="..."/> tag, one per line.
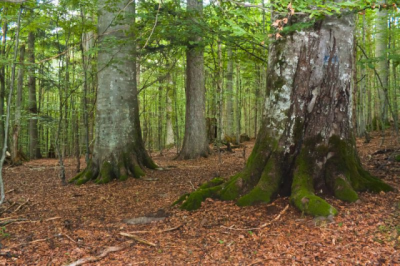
<point x="157" y="232"/>
<point x="97" y="258"/>
<point x="20" y="206"/>
<point x="10" y="221"/>
<point x="262" y="226"/>
<point x="138" y="239"/>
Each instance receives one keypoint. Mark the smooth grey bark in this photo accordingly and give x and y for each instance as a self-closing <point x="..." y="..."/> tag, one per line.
<point x="118" y="149"/>
<point x="382" y="66"/>
<point x="195" y="142"/>
<point x="169" y="138"/>
<point x="34" y="148"/>
<point x="230" y="132"/>
<point x="15" y="159"/>
<point x="305" y="148"/>
<point x="3" y="74"/>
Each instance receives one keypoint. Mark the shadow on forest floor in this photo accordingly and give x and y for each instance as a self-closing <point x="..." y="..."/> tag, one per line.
<point x="63" y="224"/>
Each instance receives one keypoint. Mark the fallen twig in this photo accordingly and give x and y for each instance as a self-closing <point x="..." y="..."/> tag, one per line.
<point x="157" y="232"/>
<point x="20" y="206"/>
<point x="53" y="218"/>
<point x="138" y="239"/>
<point x="10" y="221"/>
<point x="262" y="226"/>
<point x="97" y="258"/>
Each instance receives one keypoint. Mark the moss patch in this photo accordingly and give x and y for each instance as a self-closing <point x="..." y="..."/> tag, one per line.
<point x="193" y="202"/>
<point x="106" y="173"/>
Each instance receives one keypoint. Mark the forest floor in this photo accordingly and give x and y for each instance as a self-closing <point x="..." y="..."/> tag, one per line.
<point x="45" y="223"/>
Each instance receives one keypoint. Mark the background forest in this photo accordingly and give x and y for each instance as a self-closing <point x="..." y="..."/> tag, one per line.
<point x="52" y="107"/>
<point x="56" y="90"/>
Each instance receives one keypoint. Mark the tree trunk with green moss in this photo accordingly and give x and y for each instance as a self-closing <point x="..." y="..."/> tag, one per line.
<point x="305" y="148"/>
<point x="118" y="150"/>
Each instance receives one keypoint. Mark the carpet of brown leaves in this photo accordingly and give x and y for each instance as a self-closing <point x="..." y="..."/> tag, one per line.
<point x="45" y="223"/>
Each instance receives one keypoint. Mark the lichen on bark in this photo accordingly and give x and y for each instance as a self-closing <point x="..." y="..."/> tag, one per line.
<point x="305" y="148"/>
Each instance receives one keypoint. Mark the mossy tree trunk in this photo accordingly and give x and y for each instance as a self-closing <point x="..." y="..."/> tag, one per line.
<point x="305" y="147"/>
<point x="118" y="150"/>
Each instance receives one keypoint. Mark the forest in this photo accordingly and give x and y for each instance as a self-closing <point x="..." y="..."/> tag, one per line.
<point x="208" y="132"/>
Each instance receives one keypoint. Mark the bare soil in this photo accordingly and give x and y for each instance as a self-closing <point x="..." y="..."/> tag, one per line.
<point x="45" y="223"/>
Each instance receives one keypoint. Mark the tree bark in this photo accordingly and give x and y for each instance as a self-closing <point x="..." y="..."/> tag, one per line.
<point x="15" y="158"/>
<point x="382" y="66"/>
<point x="305" y="147"/>
<point x="229" y="133"/>
<point x="118" y="150"/>
<point x="34" y="148"/>
<point x="195" y="142"/>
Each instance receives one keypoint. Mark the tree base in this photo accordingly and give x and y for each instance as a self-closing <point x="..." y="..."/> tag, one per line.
<point x="332" y="170"/>
<point x="120" y="168"/>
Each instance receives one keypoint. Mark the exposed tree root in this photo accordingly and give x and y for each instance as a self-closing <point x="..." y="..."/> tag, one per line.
<point x="115" y="167"/>
<point x="332" y="169"/>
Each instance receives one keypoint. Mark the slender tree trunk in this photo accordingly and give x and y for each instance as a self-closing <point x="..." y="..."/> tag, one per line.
<point x="382" y="66"/>
<point x="238" y="103"/>
<point x="229" y="133"/>
<point x="305" y="147"/>
<point x="195" y="141"/>
<point x="34" y="148"/>
<point x="16" y="160"/>
<point x="169" y="140"/>
<point x="118" y="150"/>
<point x="4" y="28"/>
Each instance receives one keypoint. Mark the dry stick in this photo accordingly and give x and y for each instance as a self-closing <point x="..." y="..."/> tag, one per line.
<point x="263" y="225"/>
<point x="157" y="232"/>
<point x="20" y="206"/>
<point x="138" y="239"/>
<point x="97" y="258"/>
<point x="5" y="222"/>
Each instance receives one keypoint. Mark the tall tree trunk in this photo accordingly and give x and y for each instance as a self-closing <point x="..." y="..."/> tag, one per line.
<point x="118" y="150"/>
<point x="195" y="141"/>
<point x="4" y="28"/>
<point x="382" y="66"/>
<point x="16" y="160"/>
<point x="34" y="148"/>
<point x="305" y="147"/>
<point x="229" y="133"/>
<point x="169" y="139"/>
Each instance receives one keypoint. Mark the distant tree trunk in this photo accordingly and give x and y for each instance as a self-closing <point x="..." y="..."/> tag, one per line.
<point x="238" y="103"/>
<point x="4" y="28"/>
<point x="229" y="133"/>
<point x="305" y="147"/>
<point x="169" y="139"/>
<point x="15" y="159"/>
<point x="382" y="66"/>
<point x="195" y="141"/>
<point x="118" y="150"/>
<point x="34" y="148"/>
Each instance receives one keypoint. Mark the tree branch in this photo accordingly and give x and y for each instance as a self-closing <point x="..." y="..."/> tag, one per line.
<point x="14" y="1"/>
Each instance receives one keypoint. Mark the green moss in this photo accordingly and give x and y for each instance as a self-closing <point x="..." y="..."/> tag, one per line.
<point x="346" y="161"/>
<point x="231" y="190"/>
<point x="137" y="171"/>
<point x="397" y="158"/>
<point x="193" y="202"/>
<point x="123" y="177"/>
<point x="181" y="199"/>
<point x="106" y="173"/>
<point x="212" y="183"/>
<point x="266" y="187"/>
<point x="303" y="196"/>
<point x="85" y="177"/>
<point x="343" y="190"/>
